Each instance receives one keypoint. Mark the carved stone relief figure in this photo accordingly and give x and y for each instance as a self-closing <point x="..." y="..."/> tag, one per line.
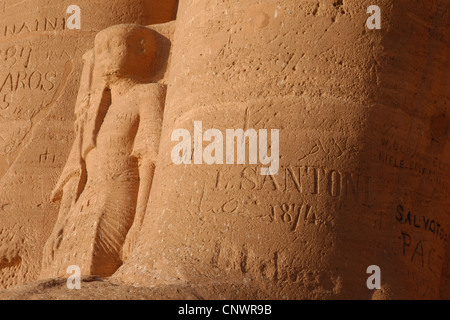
<point x="105" y="186"/>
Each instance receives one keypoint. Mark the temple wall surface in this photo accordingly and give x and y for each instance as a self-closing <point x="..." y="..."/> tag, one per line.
<point x="364" y="146"/>
<point x="41" y="64"/>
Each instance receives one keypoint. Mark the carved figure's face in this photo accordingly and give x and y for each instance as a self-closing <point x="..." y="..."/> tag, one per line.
<point x="125" y="51"/>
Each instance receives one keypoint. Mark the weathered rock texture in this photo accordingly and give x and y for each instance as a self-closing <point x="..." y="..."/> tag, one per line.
<point x="364" y="145"/>
<point x="364" y="154"/>
<point x="41" y="64"/>
<point x="105" y="186"/>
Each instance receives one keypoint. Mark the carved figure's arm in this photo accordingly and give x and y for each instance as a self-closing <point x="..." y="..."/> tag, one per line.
<point x="73" y="168"/>
<point x="147" y="144"/>
<point x="146" y="172"/>
<point x="145" y="148"/>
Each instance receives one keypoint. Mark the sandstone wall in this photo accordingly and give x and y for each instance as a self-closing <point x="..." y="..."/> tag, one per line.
<point x="39" y="78"/>
<point x="364" y="145"/>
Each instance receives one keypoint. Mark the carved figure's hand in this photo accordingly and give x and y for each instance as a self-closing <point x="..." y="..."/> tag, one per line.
<point x="130" y="242"/>
<point x="67" y="195"/>
<point x="52" y="245"/>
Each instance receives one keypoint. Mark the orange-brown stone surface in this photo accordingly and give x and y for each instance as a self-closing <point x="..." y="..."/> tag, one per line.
<point x="41" y="65"/>
<point x="364" y="150"/>
<point x="358" y="132"/>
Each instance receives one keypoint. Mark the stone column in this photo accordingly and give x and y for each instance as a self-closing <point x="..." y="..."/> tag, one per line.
<point x="364" y="147"/>
<point x="41" y="63"/>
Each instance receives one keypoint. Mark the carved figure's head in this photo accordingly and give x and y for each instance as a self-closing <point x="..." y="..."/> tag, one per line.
<point x="125" y="51"/>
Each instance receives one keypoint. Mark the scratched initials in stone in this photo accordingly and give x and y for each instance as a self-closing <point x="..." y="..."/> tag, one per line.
<point x="47" y="157"/>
